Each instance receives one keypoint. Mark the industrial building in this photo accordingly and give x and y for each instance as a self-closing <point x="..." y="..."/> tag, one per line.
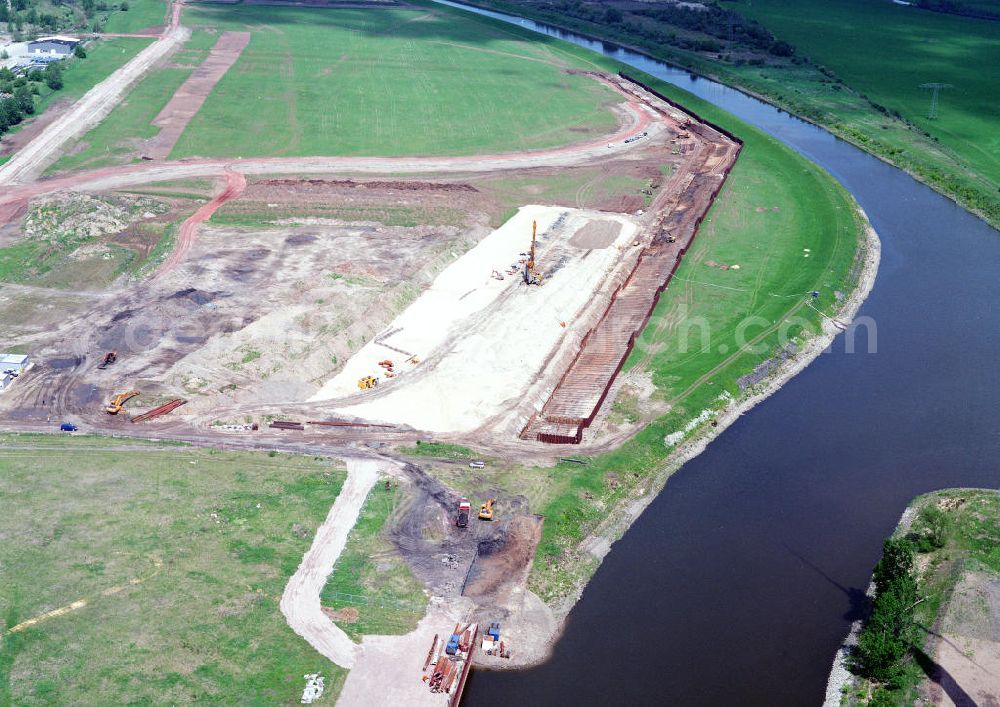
<point x="55" y="46"/>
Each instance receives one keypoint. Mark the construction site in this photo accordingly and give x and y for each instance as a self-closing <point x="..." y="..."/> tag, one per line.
<point x="283" y="318"/>
<point x="450" y="327"/>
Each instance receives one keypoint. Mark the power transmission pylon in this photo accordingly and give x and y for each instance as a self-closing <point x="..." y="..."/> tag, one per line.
<point x="935" y="90"/>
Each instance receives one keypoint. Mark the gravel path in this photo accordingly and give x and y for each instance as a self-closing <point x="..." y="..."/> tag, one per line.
<point x="300" y="601"/>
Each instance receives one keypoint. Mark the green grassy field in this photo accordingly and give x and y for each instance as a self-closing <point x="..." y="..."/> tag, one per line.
<point x="391" y="81"/>
<point x="892" y="51"/>
<point x="141" y="15"/>
<point x="181" y="555"/>
<point x="371" y="578"/>
<point x="116" y="139"/>
<point x="881" y="109"/>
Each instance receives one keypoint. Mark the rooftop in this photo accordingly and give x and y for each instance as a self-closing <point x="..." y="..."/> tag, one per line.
<point x="61" y="39"/>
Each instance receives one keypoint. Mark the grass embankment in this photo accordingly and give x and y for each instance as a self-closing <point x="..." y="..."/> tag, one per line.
<point x="117" y="138"/>
<point x="388" y="81"/>
<point x="371" y="587"/>
<point x="882" y="110"/>
<point x="246" y="213"/>
<point x="181" y="555"/>
<point x="774" y="206"/>
<point x="955" y="533"/>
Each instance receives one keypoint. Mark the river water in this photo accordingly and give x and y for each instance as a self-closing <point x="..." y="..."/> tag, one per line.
<point x="738" y="583"/>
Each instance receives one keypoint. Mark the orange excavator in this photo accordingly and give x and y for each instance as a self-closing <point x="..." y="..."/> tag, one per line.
<point x="118" y="402"/>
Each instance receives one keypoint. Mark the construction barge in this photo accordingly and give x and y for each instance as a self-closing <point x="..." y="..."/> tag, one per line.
<point x="448" y="662"/>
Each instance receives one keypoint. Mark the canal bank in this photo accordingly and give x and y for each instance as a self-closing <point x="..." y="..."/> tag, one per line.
<point x="751" y="565"/>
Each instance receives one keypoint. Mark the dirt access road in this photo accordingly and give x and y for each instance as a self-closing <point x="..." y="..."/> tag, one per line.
<point x="235" y="184"/>
<point x="635" y="120"/>
<point x="32" y="159"/>
<point x="300" y="601"/>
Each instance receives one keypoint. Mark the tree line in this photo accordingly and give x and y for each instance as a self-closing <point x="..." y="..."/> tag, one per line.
<point x="28" y="17"/>
<point x="890" y="634"/>
<point x="18" y="92"/>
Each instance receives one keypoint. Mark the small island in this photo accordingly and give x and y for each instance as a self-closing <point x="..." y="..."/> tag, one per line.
<point x="932" y="633"/>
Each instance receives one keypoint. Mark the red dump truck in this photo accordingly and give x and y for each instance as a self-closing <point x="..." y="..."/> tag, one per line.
<point x="463" y="513"/>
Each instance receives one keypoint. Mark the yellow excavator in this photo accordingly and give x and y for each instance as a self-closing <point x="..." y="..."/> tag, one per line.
<point x="118" y="402"/>
<point x="367" y="382"/>
<point x="486" y="510"/>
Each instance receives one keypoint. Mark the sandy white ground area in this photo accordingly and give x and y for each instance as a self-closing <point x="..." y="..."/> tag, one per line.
<point x="391" y="667"/>
<point x="482" y="342"/>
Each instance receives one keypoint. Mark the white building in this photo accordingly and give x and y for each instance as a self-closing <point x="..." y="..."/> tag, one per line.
<point x="13" y="362"/>
<point x="55" y="46"/>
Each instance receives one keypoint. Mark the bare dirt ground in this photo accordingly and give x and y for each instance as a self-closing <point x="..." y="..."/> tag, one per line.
<point x="482" y="341"/>
<point x="188" y="99"/>
<point x="388" y="669"/>
<point x="966" y="668"/>
<point x="212" y="330"/>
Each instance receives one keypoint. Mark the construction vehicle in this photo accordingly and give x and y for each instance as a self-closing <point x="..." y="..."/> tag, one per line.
<point x="463" y="513"/>
<point x="486" y="510"/>
<point x="118" y="402"/>
<point x="367" y="382"/>
<point x="531" y="275"/>
<point x="109" y="358"/>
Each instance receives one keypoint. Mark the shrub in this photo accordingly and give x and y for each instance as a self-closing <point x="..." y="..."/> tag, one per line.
<point x="933" y="524"/>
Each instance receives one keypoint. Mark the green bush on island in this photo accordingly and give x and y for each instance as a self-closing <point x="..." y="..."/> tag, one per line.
<point x="888" y="633"/>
